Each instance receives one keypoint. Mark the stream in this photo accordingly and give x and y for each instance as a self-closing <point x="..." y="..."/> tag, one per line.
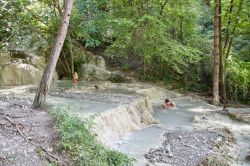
<point x="139" y="142"/>
<point x="178" y="118"/>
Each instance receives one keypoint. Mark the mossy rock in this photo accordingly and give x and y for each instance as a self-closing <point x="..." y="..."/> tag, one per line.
<point x="242" y="117"/>
<point x="214" y="160"/>
<point x="4" y="58"/>
<point x="117" y="78"/>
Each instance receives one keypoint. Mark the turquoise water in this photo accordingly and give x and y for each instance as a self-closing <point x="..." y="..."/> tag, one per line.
<point x="138" y="142"/>
<point x="180" y="117"/>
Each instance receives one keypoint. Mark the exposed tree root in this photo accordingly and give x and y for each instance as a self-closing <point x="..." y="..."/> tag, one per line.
<point x="29" y="141"/>
<point x="16" y="126"/>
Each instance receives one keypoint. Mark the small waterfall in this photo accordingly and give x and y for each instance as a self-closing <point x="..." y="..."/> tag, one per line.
<point x="112" y="124"/>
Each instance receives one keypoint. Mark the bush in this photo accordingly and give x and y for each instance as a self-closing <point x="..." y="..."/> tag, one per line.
<point x="81" y="144"/>
<point x="238" y="79"/>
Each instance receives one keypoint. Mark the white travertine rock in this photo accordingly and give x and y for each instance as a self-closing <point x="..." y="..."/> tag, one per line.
<point x="115" y="123"/>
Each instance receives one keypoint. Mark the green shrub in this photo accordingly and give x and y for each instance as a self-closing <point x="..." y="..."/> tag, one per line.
<point x="238" y="79"/>
<point x="81" y="144"/>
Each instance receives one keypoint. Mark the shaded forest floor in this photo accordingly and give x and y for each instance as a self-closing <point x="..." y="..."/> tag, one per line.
<point x="27" y="136"/>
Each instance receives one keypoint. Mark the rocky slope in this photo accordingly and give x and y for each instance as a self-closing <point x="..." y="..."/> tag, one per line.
<point x="21" y="70"/>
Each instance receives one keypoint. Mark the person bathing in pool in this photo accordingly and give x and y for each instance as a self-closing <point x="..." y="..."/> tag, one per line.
<point x="168" y="104"/>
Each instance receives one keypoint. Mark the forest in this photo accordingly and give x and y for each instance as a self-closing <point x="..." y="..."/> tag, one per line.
<point x="171" y="41"/>
<point x="102" y="82"/>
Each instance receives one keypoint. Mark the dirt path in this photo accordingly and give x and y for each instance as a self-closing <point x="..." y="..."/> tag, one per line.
<point x="27" y="136"/>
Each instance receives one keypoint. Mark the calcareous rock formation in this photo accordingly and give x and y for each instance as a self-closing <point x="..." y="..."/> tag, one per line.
<point x="112" y="124"/>
<point x="20" y="70"/>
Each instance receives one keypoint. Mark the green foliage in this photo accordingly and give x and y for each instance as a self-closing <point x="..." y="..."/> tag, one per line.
<point x="238" y="79"/>
<point x="24" y="25"/>
<point x="170" y="40"/>
<point x="9" y="20"/>
<point x="81" y="144"/>
<point x="90" y="22"/>
<point x="146" y="37"/>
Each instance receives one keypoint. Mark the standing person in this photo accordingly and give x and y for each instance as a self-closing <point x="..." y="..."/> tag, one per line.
<point x="168" y="104"/>
<point x="75" y="79"/>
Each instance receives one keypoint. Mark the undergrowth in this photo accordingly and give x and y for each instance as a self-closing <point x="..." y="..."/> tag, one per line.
<point x="81" y="144"/>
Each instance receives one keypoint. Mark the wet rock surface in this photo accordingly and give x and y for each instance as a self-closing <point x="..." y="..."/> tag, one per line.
<point x="206" y="137"/>
<point x="91" y="72"/>
<point x="234" y="136"/>
<point x="183" y="147"/>
<point x="99" y="97"/>
<point x="25" y="133"/>
<point x="130" y="112"/>
<point x="214" y="160"/>
<point x="241" y="116"/>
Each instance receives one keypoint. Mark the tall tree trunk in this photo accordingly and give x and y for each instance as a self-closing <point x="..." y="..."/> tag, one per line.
<point x="231" y="34"/>
<point x="181" y="30"/>
<point x="216" y="51"/>
<point x="222" y="85"/>
<point x="162" y="8"/>
<point x="67" y="63"/>
<point x="222" y="54"/>
<point x="54" y="55"/>
<point x="71" y="54"/>
<point x="231" y="27"/>
<point x="63" y="66"/>
<point x="230" y="11"/>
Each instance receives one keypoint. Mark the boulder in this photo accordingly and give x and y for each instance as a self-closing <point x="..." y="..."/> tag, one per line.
<point x="21" y="68"/>
<point x="119" y="78"/>
<point x="4" y="58"/>
<point x="28" y="58"/>
<point x="91" y="72"/>
<point x="216" y="160"/>
<point x="19" y="74"/>
<point x="100" y="62"/>
<point x="240" y="116"/>
<point x="36" y="61"/>
<point x="96" y="61"/>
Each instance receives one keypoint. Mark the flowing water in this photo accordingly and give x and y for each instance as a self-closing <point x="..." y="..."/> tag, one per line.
<point x="138" y="142"/>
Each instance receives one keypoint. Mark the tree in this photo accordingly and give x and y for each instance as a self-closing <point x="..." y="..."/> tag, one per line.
<point x="216" y="51"/>
<point x="54" y="55"/>
<point x="231" y="25"/>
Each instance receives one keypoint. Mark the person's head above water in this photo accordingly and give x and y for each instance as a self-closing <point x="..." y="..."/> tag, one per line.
<point x="167" y="100"/>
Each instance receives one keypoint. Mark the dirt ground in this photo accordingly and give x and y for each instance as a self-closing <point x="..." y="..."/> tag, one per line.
<point x="27" y="136"/>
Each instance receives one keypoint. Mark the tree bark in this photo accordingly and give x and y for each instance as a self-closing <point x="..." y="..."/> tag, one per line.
<point x="231" y="34"/>
<point x="224" y="54"/>
<point x="67" y="63"/>
<point x="54" y="55"/>
<point x="216" y="51"/>
<point x="162" y="8"/>
<point x="230" y="11"/>
<point x="222" y="85"/>
<point x="181" y="30"/>
<point x="63" y="66"/>
<point x="71" y="54"/>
